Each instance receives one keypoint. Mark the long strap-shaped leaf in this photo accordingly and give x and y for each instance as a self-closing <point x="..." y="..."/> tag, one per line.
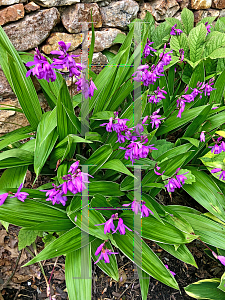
<point x="78" y="271"/>
<point x="15" y="72"/>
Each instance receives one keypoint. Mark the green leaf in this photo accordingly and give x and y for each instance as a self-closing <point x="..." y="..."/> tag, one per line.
<point x="64" y="124"/>
<point x="187" y="18"/>
<point x="15" y="72"/>
<point x="98" y="158"/>
<point x="206" y="193"/>
<point x="117" y="165"/>
<point x="144" y="280"/>
<point x="166" y="233"/>
<point x="66" y="243"/>
<point x="103" y="115"/>
<point x="162" y="146"/>
<point x="210" y="232"/>
<point x="13" y="177"/>
<point x="216" y="95"/>
<point x="218" y="53"/>
<point x="45" y="140"/>
<point x="27" y="237"/>
<point x="214" y="43"/>
<point x="196" y="39"/>
<point x="160" y="32"/>
<point x="12" y="139"/>
<point x="182" y="253"/>
<point x="79" y="275"/>
<point x="110" y="269"/>
<point x="173" y="122"/>
<point x="15" y="157"/>
<point x="180" y="42"/>
<point x="205" y="289"/>
<point x="31" y="212"/>
<point x="147" y="260"/>
<point x="5" y="225"/>
<point x="222" y="283"/>
<point x="120" y="38"/>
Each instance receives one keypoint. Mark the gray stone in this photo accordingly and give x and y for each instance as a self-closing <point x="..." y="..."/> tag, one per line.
<point x="9" y="2"/>
<point x="119" y="14"/>
<point x="51" y="3"/>
<point x="160" y="9"/>
<point x="98" y="61"/>
<point x="218" y="4"/>
<point x="201" y="14"/>
<point x="183" y="3"/>
<point x="5" y="88"/>
<point x="11" y="13"/>
<point x="52" y="41"/>
<point x="73" y="16"/>
<point x="103" y="39"/>
<point x="31" y="31"/>
<point x="201" y="4"/>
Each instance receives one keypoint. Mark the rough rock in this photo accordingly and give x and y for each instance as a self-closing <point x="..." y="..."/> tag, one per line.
<point x="31" y="6"/>
<point x="201" y="14"/>
<point x="9" y="119"/>
<point x="75" y="14"/>
<point x="10" y="2"/>
<point x="183" y="3"/>
<point x="99" y="60"/>
<point x="11" y="13"/>
<point x="160" y="9"/>
<point x="51" y="3"/>
<point x="31" y="31"/>
<point x="119" y="14"/>
<point x="5" y="88"/>
<point x="178" y="15"/>
<point x="222" y="13"/>
<point x="52" y="41"/>
<point x="103" y="39"/>
<point x="218" y="4"/>
<point x="201" y="4"/>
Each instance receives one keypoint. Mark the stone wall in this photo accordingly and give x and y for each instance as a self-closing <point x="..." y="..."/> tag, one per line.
<point x="42" y="23"/>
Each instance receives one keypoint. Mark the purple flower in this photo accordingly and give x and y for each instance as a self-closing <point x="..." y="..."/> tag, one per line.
<point x="109" y="126"/>
<point x="181" y="51"/>
<point x="42" y="69"/>
<point x="170" y="271"/>
<point x="206" y="87"/>
<point x="108" y="225"/>
<point x="158" y="96"/>
<point x="135" y="206"/>
<point x="148" y="49"/>
<point x="202" y="136"/>
<point x="104" y="255"/>
<point x="175" y="31"/>
<point x="121" y="227"/>
<point x="86" y="87"/>
<point x="208" y="27"/>
<point x="181" y="106"/>
<point x="177" y="182"/>
<point x="55" y="195"/>
<point x="181" y="177"/>
<point x="20" y="195"/>
<point x="172" y="185"/>
<point x="219" y="257"/>
<point x="145" y="210"/>
<point x="74" y="167"/>
<point x="136" y="150"/>
<point x="156" y="172"/>
<point x="99" y="249"/>
<point x="3" y="198"/>
<point x="216" y="149"/>
<point x="156" y="119"/>
<point x="215" y="107"/>
<point x="65" y="60"/>
<point x="222" y="175"/>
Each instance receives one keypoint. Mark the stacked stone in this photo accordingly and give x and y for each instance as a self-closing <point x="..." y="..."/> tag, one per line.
<point x="43" y="23"/>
